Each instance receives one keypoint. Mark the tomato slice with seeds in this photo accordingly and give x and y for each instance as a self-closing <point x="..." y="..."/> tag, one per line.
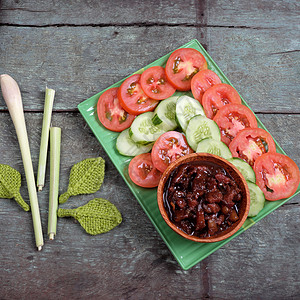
<point x="155" y="84"/>
<point x="202" y="81"/>
<point x="110" y="112"/>
<point x="132" y="98"/>
<point x="142" y="172"/>
<point x="169" y="147"/>
<point x="232" y="118"/>
<point x="182" y="65"/>
<point x="217" y="96"/>
<point x="250" y="143"/>
<point x="277" y="175"/>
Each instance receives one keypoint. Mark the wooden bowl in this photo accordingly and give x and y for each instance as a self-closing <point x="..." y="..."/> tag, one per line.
<point x="231" y="170"/>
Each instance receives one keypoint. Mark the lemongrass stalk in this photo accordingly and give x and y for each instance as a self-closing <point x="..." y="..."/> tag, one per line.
<point x="12" y="96"/>
<point x="49" y="99"/>
<point x="55" y="140"/>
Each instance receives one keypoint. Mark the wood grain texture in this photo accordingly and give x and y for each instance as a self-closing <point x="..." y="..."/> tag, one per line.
<point x="256" y="14"/>
<point x="79" y="48"/>
<point x="91" y="59"/>
<point x="123" y="263"/>
<point x="261" y="66"/>
<point x="260" y="254"/>
<point x="75" y="263"/>
<point x="95" y="12"/>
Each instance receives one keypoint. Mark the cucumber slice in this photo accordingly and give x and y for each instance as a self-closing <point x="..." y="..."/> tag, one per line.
<point x="142" y="129"/>
<point x="164" y="113"/>
<point x="212" y="146"/>
<point x="186" y="108"/>
<point x="126" y="146"/>
<point x="257" y="199"/>
<point x="200" y="128"/>
<point x="244" y="168"/>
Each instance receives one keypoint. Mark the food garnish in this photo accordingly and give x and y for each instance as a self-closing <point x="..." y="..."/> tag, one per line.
<point x="10" y="183"/>
<point x="55" y="141"/>
<point x="86" y="177"/>
<point x="12" y="96"/>
<point x="97" y="216"/>
<point x="49" y="99"/>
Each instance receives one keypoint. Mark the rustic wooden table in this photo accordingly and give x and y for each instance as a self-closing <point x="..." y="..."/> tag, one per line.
<point x="79" y="48"/>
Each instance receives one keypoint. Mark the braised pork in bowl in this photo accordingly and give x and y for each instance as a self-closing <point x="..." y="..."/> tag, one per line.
<point x="203" y="197"/>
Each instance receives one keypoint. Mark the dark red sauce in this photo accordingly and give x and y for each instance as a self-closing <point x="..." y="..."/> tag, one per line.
<point x="202" y="199"/>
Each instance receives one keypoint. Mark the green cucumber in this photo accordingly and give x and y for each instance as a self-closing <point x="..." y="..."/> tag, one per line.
<point x="126" y="146"/>
<point x="142" y="129"/>
<point x="164" y="114"/>
<point x="186" y="108"/>
<point x="212" y="146"/>
<point x="257" y="199"/>
<point x="244" y="168"/>
<point x="199" y="128"/>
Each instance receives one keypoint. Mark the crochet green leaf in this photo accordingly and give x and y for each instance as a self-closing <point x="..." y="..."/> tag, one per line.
<point x="86" y="177"/>
<point x="97" y="216"/>
<point x="10" y="183"/>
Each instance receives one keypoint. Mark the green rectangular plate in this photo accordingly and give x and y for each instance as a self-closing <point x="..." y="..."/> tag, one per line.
<point x="187" y="253"/>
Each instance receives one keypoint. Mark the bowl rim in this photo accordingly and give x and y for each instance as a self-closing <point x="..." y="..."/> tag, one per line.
<point x="164" y="214"/>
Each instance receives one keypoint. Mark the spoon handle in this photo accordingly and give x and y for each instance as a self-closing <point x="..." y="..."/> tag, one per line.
<point x="12" y="96"/>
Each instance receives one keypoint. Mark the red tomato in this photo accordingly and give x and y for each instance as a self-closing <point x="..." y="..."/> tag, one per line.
<point x="250" y="143"/>
<point x="182" y="65"/>
<point x="217" y="96"/>
<point x="155" y="84"/>
<point x="167" y="148"/>
<point x="232" y="118"/>
<point x="132" y="98"/>
<point x="142" y="172"/>
<point x="111" y="114"/>
<point x="202" y="81"/>
<point x="277" y="175"/>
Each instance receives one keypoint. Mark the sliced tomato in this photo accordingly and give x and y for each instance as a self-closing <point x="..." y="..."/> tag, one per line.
<point x="132" y="98"/>
<point x="217" y="96"/>
<point x="142" y="172"/>
<point x="110" y="112"/>
<point x="250" y="143"/>
<point x="232" y="118"/>
<point x="182" y="65"/>
<point x="155" y="84"/>
<point x="167" y="148"/>
<point x="202" y="81"/>
<point x="277" y="175"/>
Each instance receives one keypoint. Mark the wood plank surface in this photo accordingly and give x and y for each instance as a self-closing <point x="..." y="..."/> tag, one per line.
<point x="81" y="47"/>
<point x="78" y="265"/>
<point x="219" y="13"/>
<point x="99" y="12"/>
<point x="92" y="59"/>
<point x="265" y="72"/>
<point x="255" y="14"/>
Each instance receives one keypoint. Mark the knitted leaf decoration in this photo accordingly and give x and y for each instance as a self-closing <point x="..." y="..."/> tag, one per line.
<point x="97" y="216"/>
<point x="10" y="183"/>
<point x="86" y="177"/>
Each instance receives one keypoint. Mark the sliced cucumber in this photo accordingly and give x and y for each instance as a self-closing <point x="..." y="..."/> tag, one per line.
<point x="199" y="128"/>
<point x="257" y="199"/>
<point x="142" y="129"/>
<point x="126" y="146"/>
<point x="244" y="168"/>
<point x="186" y="108"/>
<point x="212" y="146"/>
<point x="164" y="114"/>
